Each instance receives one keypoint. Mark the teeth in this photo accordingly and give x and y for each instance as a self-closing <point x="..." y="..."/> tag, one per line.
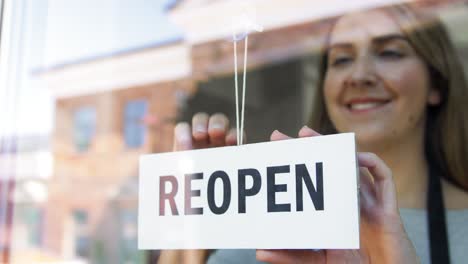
<point x="364" y="106"/>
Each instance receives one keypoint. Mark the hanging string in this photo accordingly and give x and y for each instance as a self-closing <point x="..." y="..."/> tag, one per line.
<point x="243" y="91"/>
<point x="240" y="127"/>
<point x="244" y="21"/>
<point x="237" y="91"/>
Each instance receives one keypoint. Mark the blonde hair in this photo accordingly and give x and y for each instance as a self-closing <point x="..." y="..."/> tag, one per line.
<point x="446" y="134"/>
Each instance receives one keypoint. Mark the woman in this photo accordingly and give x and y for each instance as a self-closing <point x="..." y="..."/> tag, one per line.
<point x="391" y="76"/>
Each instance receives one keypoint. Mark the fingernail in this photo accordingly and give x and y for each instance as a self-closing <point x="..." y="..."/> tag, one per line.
<point x="309" y="131"/>
<point x="280" y="133"/>
<point x="183" y="138"/>
<point x="200" y="128"/>
<point x="183" y="134"/>
<point x="216" y="126"/>
<point x="275" y="132"/>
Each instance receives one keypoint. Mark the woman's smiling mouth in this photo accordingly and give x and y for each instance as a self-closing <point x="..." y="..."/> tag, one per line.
<point x="363" y="105"/>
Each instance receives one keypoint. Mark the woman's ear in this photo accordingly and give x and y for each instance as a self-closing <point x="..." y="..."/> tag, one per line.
<point x="434" y="97"/>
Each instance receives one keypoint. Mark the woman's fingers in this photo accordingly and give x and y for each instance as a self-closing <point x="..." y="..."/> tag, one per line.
<point x="375" y="165"/>
<point x="205" y="131"/>
<point x="183" y="137"/>
<point x="212" y="131"/>
<point x="194" y="256"/>
<point x="382" y="180"/>
<point x="200" y="130"/>
<point x="304" y="132"/>
<point x="308" y="132"/>
<point x="291" y="256"/>
<point x="366" y="190"/>
<point x="218" y="125"/>
<point x="231" y="138"/>
<point x="276" y="135"/>
<point x="275" y="256"/>
<point x="170" y="256"/>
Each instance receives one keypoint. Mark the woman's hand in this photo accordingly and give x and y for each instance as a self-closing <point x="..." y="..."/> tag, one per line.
<point x="204" y="132"/>
<point x="383" y="237"/>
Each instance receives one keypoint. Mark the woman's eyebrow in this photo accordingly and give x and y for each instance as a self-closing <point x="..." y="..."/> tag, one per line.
<point x="377" y="40"/>
<point x="387" y="38"/>
<point x="339" y="45"/>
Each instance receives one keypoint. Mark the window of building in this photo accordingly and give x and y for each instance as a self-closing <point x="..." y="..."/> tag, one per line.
<point x="84" y="127"/>
<point x="82" y="242"/>
<point x="128" y="244"/>
<point x="33" y="219"/>
<point x="134" y="129"/>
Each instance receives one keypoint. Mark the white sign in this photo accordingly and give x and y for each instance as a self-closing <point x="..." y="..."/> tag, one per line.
<point x="298" y="193"/>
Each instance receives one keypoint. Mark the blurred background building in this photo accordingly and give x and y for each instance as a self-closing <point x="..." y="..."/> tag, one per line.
<point x="31" y="164"/>
<point x="164" y="61"/>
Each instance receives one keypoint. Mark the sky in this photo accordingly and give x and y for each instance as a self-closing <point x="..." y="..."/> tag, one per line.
<point x="81" y="29"/>
<point x="57" y="32"/>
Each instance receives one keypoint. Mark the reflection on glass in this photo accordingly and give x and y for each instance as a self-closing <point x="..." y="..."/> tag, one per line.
<point x="117" y="78"/>
<point x="134" y="130"/>
<point x="84" y="127"/>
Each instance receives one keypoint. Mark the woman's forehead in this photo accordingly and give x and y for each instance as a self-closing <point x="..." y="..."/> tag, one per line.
<point x="363" y="27"/>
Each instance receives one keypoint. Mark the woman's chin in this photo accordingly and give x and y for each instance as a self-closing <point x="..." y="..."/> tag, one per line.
<point x="371" y="141"/>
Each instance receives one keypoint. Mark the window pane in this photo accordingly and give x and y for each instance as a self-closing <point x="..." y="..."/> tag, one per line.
<point x="85" y="126"/>
<point x="134" y="129"/>
<point x="116" y="77"/>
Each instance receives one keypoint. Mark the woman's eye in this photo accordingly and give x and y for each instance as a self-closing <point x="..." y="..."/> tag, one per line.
<point x="391" y="54"/>
<point x="340" y="61"/>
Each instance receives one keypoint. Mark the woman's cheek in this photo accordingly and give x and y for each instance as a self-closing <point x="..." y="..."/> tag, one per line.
<point x="332" y="95"/>
<point x="331" y="108"/>
<point x="410" y="86"/>
<point x="407" y="79"/>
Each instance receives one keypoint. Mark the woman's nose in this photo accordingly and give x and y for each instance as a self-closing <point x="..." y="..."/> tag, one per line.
<point x="362" y="74"/>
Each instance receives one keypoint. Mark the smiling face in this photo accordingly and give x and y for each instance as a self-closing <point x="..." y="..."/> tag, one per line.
<point x="375" y="84"/>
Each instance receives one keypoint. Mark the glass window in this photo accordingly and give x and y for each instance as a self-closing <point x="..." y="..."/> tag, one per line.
<point x="85" y="127"/>
<point x="134" y="130"/>
<point x="128" y="247"/>
<point x="80" y="219"/>
<point x="33" y="221"/>
<point x="82" y="97"/>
